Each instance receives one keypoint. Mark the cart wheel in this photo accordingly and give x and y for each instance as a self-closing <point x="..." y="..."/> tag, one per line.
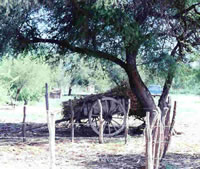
<point x="114" y="116"/>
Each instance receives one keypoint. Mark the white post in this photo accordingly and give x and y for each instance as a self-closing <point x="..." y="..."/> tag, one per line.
<point x="51" y="127"/>
<point x="148" y="134"/>
<point x="72" y="119"/>
<point x="126" y="122"/>
<point x="52" y="140"/>
<point x="100" y="122"/>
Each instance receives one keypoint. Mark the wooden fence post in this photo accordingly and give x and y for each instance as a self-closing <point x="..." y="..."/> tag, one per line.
<point x="52" y="140"/>
<point x="168" y="138"/>
<point x="126" y="122"/>
<point x="24" y="122"/>
<point x="47" y="102"/>
<point x="148" y="134"/>
<point x="100" y="123"/>
<point x="72" y="120"/>
<point x="51" y="127"/>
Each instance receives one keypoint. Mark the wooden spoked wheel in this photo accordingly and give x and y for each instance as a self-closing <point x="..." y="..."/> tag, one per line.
<point x="114" y="116"/>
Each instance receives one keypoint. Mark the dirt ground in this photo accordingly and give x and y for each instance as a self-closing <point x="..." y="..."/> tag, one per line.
<point x="86" y="152"/>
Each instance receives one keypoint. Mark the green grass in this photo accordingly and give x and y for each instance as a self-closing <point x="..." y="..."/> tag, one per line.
<point x="188" y="108"/>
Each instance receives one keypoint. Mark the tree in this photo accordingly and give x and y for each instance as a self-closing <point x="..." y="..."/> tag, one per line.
<point x="86" y="73"/>
<point x="23" y="78"/>
<point x="119" y="33"/>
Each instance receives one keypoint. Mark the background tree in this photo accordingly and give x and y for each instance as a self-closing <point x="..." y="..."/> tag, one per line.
<point x="24" y="78"/>
<point x="88" y="72"/>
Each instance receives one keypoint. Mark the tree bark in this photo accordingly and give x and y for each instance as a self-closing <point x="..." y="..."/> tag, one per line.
<point x="70" y="91"/>
<point x="168" y="83"/>
<point x="137" y="86"/>
<point x="162" y="103"/>
<point x="18" y="92"/>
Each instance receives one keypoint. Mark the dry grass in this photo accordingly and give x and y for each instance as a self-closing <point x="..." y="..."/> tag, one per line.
<point x="87" y="153"/>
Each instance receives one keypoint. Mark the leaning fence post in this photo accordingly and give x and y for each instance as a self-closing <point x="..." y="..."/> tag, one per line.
<point x="24" y="122"/>
<point x="126" y="122"/>
<point x="72" y="119"/>
<point x="168" y="139"/>
<point x="51" y="127"/>
<point x="100" y="123"/>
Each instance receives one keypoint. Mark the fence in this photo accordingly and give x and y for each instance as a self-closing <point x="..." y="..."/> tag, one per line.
<point x="158" y="135"/>
<point x="158" y="132"/>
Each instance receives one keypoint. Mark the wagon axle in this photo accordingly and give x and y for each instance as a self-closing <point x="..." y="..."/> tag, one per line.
<point x="107" y="117"/>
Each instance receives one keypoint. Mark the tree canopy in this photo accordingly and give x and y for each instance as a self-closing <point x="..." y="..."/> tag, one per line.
<point x="158" y="33"/>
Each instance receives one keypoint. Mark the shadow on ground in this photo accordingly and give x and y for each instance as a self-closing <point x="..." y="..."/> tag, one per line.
<point x="110" y="161"/>
<point x="63" y="129"/>
<point x="90" y="159"/>
<point x="135" y="161"/>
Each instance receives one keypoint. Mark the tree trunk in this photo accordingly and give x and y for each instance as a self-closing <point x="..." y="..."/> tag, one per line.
<point x="70" y="91"/>
<point x="163" y="98"/>
<point x="18" y="92"/>
<point x="137" y="86"/>
<point x="168" y="82"/>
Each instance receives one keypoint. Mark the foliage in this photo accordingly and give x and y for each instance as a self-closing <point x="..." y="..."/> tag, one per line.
<point x="115" y="73"/>
<point x="24" y="78"/>
<point x="4" y="93"/>
<point x="187" y="80"/>
<point x="86" y="72"/>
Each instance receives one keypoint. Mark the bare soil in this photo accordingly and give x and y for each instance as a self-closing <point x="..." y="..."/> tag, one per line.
<point x="86" y="152"/>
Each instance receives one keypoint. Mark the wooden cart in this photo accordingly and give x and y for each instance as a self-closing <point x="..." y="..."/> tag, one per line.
<point x="114" y="108"/>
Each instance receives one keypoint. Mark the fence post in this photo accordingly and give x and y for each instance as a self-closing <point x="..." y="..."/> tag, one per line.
<point x="126" y="122"/>
<point x="168" y="139"/>
<point x="24" y="122"/>
<point x="47" y="102"/>
<point x="148" y="134"/>
<point x="100" y="123"/>
<point x="51" y="127"/>
<point x="72" y="120"/>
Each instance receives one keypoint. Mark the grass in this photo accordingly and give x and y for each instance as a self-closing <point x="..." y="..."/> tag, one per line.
<point x="188" y="107"/>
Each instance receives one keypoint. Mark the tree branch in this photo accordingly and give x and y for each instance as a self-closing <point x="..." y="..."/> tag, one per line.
<point x="187" y="10"/>
<point x="95" y="53"/>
